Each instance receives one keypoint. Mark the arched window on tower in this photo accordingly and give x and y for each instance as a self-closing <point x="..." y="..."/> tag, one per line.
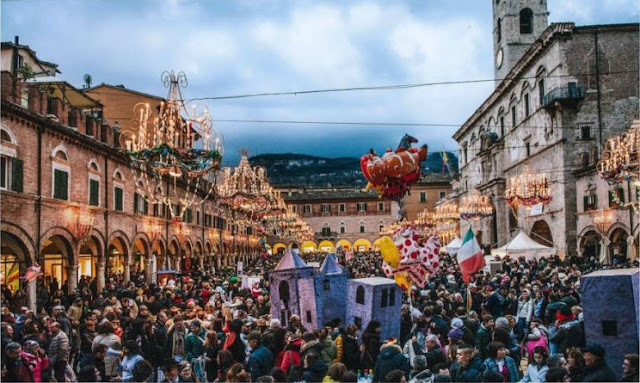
<point x="283" y="289"/>
<point x="360" y="295"/>
<point x="526" y="21"/>
<point x="383" y="300"/>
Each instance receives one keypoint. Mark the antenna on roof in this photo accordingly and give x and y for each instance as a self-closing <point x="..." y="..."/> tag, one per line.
<point x="87" y="81"/>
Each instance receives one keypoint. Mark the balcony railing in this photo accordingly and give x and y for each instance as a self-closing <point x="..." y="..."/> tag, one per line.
<point x="332" y="235"/>
<point x="571" y="92"/>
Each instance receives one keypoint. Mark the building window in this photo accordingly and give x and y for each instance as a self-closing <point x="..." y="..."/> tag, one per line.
<point x="360" y="295"/>
<point x="499" y="29"/>
<point x="326" y="285"/>
<point x="380" y="206"/>
<point x="362" y="228"/>
<point x="513" y="116"/>
<point x="590" y="202"/>
<point x="197" y="218"/>
<point x="60" y="184"/>
<point x="443" y="194"/>
<point x="4" y="172"/>
<point x="309" y="320"/>
<point x="585" y="132"/>
<point x="541" y="91"/>
<point x="423" y="197"/>
<point x="294" y="208"/>
<point x="326" y="208"/>
<point x="466" y="159"/>
<point x="527" y="146"/>
<point x="617" y="198"/>
<point x="118" y="194"/>
<point x="392" y="297"/>
<point x="526" y="105"/>
<point x="362" y="206"/>
<point x="326" y="231"/>
<point x="94" y="192"/>
<point x="526" y="21"/>
<point x="307" y="209"/>
<point x="501" y="126"/>
<point x="380" y="227"/>
<point x="383" y="299"/>
<point x="140" y="204"/>
<point x="342" y="228"/>
<point x="341" y="208"/>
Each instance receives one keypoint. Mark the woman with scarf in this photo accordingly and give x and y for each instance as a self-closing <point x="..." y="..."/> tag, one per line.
<point x="233" y="342"/>
<point x="175" y="339"/>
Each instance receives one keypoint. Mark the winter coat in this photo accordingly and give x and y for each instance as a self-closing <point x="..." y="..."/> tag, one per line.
<point x="193" y="344"/>
<point x="525" y="310"/>
<point x="390" y="358"/>
<point x="495" y="305"/>
<point x="372" y="344"/>
<point x="58" y="348"/>
<point x="483" y="338"/>
<point x="17" y="371"/>
<point x="36" y="364"/>
<point x="291" y="356"/>
<point x="315" y="372"/>
<point x="328" y="353"/>
<point x="472" y="372"/>
<point x="350" y="353"/>
<point x="127" y="365"/>
<point x="535" y="374"/>
<point x="260" y="362"/>
<point x="567" y="335"/>
<point x="492" y="365"/>
<point x="110" y="362"/>
<point x="599" y="372"/>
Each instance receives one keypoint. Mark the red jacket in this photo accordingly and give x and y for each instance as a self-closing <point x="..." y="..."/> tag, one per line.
<point x="291" y="356"/>
<point x="36" y="364"/>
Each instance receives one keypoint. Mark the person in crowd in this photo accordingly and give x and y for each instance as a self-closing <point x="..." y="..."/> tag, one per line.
<point x="576" y="365"/>
<point x="484" y="334"/>
<point x="557" y="374"/>
<point x="261" y="358"/>
<point x="371" y="344"/>
<point x="335" y="374"/>
<point x="194" y="341"/>
<point x="567" y="332"/>
<point x="108" y="338"/>
<point x="130" y="357"/>
<point x="596" y="368"/>
<point x="395" y="376"/>
<point x="498" y="361"/>
<point x="58" y="351"/>
<point x="537" y="370"/>
<point x="37" y="359"/>
<point x="211" y="348"/>
<point x="292" y="357"/>
<point x="347" y="349"/>
<point x="420" y="372"/>
<point x="314" y="369"/>
<point x="390" y="358"/>
<point x="17" y="368"/>
<point x="630" y="368"/>
<point x="468" y="366"/>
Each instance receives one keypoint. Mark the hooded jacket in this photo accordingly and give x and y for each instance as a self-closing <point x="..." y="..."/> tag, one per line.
<point x="390" y="358"/>
<point x="291" y="356"/>
<point x="472" y="372"/>
<point x="315" y="372"/>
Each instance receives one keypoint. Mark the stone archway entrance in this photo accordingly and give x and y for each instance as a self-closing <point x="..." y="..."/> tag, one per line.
<point x="57" y="257"/>
<point x="541" y="233"/>
<point x="14" y="262"/>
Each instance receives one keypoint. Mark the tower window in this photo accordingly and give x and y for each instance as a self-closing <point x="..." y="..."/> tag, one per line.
<point x="526" y="105"/>
<point x="326" y="285"/>
<point x="392" y="297"/>
<point x="526" y="21"/>
<point x="501" y="126"/>
<point x="360" y="295"/>
<point x="309" y="317"/>
<point x="499" y="29"/>
<point x="383" y="300"/>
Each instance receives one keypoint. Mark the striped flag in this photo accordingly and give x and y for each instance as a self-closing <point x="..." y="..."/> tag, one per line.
<point x="470" y="256"/>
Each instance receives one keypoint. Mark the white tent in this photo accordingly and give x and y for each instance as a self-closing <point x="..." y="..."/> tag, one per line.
<point x="523" y="246"/>
<point x="454" y="246"/>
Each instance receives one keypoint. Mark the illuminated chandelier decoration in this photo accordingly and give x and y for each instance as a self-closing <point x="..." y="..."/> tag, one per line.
<point x="81" y="224"/>
<point x="527" y="189"/>
<point x="178" y="145"/>
<point x="247" y="190"/>
<point x="620" y="161"/>
<point x="426" y="219"/>
<point x="475" y="207"/>
<point x="447" y="216"/>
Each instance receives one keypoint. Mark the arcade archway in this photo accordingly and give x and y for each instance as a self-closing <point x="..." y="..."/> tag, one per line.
<point x="541" y="233"/>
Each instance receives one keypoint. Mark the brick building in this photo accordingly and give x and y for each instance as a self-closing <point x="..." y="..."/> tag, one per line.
<point x="346" y="216"/>
<point x="559" y="96"/>
<point x="426" y="193"/>
<point x="59" y="158"/>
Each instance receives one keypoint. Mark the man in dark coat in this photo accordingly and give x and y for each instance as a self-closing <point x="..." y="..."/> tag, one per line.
<point x="596" y="369"/>
<point x="484" y="335"/>
<point x="468" y="366"/>
<point x="390" y="358"/>
<point x="261" y="358"/>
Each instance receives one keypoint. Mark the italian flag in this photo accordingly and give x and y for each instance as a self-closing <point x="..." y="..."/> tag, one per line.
<point x="470" y="256"/>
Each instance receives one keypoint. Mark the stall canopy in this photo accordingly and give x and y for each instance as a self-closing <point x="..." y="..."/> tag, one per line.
<point x="523" y="246"/>
<point x="454" y="246"/>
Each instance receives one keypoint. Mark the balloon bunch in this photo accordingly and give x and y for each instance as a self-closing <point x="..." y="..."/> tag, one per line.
<point x="393" y="173"/>
<point x="406" y="260"/>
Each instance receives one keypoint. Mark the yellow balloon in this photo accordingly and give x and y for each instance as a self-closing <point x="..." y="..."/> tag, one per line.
<point x="389" y="251"/>
<point x="403" y="281"/>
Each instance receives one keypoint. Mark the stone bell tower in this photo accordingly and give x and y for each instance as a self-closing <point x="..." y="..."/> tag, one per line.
<point x="516" y="25"/>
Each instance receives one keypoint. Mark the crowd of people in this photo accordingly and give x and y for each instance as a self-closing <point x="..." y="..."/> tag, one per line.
<point x="522" y="324"/>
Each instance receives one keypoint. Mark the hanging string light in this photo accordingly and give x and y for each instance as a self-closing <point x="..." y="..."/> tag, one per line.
<point x="527" y="189"/>
<point x="178" y="145"/>
<point x="475" y="207"/>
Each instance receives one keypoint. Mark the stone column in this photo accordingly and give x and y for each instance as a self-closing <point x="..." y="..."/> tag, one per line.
<point x="201" y="262"/>
<point x="72" y="278"/>
<point x="32" y="296"/>
<point x="127" y="272"/>
<point x="101" y="271"/>
<point x="147" y="269"/>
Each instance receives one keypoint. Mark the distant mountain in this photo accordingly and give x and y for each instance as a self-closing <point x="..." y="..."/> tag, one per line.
<point x="292" y="168"/>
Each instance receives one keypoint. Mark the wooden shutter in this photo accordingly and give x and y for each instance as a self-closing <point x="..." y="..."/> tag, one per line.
<point x="118" y="202"/>
<point x="585" y="203"/>
<point x="621" y="195"/>
<point x="145" y="209"/>
<point x="16" y="176"/>
<point x="61" y="182"/>
<point x="93" y="192"/>
<point x="135" y="203"/>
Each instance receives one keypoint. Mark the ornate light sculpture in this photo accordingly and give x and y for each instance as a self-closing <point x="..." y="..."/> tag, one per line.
<point x="621" y="161"/>
<point x="426" y="219"/>
<point x="475" y="207"/>
<point x="602" y="220"/>
<point x="178" y="145"/>
<point x="527" y="189"/>
<point x="183" y="231"/>
<point x="447" y="212"/>
<point x="81" y="224"/>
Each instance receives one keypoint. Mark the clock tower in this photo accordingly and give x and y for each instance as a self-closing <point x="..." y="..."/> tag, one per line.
<point x="516" y="25"/>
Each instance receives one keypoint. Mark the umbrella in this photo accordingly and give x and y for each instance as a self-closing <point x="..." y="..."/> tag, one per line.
<point x="605" y="258"/>
<point x="632" y="249"/>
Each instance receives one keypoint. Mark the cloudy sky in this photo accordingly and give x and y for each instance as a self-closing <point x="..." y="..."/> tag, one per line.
<point x="238" y="47"/>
